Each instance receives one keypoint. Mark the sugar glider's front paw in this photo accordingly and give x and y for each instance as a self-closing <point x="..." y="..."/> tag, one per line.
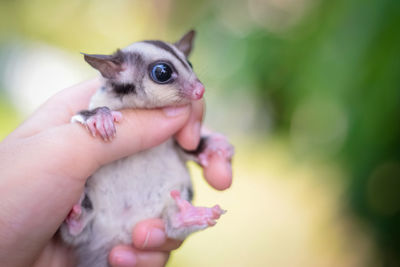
<point x="99" y="121"/>
<point x="214" y="144"/>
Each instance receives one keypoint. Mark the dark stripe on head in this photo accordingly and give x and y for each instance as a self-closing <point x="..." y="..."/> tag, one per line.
<point x="166" y="47"/>
<point x="135" y="59"/>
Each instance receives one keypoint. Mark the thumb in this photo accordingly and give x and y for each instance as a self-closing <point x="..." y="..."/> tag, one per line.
<point x="137" y="131"/>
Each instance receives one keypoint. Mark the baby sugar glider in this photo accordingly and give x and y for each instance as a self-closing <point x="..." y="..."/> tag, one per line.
<point x="150" y="184"/>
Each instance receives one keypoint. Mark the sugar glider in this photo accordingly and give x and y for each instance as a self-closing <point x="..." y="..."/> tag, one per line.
<point x="150" y="184"/>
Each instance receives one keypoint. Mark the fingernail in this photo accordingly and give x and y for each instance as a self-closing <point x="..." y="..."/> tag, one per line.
<point x="175" y="111"/>
<point x="156" y="238"/>
<point x="123" y="258"/>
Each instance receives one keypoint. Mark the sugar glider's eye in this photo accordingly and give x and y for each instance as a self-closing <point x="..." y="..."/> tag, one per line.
<point x="161" y="73"/>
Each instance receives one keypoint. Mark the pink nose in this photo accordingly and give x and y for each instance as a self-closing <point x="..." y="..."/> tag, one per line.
<point x="198" y="91"/>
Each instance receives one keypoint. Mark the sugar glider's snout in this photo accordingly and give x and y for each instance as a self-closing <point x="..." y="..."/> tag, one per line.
<point x="198" y="90"/>
<point x="194" y="90"/>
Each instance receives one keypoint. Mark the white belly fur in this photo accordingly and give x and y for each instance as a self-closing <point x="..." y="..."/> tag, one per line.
<point x="132" y="189"/>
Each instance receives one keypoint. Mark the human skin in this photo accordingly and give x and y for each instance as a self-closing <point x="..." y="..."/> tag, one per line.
<point x="44" y="165"/>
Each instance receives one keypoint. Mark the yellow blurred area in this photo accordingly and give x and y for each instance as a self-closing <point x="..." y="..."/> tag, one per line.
<point x="86" y="25"/>
<point x="9" y="118"/>
<point x="280" y="212"/>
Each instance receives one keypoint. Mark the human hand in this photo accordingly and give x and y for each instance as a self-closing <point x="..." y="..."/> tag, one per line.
<point x="44" y="165"/>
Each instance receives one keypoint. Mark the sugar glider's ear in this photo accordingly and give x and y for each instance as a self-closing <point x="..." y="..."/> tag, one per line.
<point x="185" y="44"/>
<point x="108" y="65"/>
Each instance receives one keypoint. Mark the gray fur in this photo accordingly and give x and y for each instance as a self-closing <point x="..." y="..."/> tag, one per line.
<point x="128" y="191"/>
<point x="136" y="59"/>
<point x="124" y="192"/>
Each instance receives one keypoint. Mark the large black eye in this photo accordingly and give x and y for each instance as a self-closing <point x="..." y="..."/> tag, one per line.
<point x="161" y="73"/>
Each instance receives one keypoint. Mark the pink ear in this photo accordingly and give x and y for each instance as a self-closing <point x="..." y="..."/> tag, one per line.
<point x="108" y="65"/>
<point x="185" y="44"/>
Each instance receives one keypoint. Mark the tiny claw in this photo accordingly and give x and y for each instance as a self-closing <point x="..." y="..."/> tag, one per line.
<point x="108" y="127"/>
<point x="211" y="222"/>
<point x="217" y="211"/>
<point x="92" y="128"/>
<point x="117" y="116"/>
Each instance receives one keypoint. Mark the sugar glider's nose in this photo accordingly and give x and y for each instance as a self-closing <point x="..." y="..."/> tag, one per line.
<point x="198" y="90"/>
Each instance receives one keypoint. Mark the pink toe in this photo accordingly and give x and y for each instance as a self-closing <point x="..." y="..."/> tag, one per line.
<point x="175" y="194"/>
<point x="109" y="127"/>
<point x="100" y="127"/>
<point x="77" y="209"/>
<point x="211" y="222"/>
<point x="114" y="131"/>
<point x="92" y="127"/>
<point x="117" y="116"/>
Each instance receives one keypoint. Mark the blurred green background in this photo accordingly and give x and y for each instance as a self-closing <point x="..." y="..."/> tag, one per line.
<point x="308" y="91"/>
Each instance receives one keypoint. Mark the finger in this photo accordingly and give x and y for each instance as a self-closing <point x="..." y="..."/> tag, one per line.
<point x="218" y="172"/>
<point x="138" y="130"/>
<point x="123" y="256"/>
<point x="58" y="109"/>
<point x="189" y="136"/>
<point x="127" y="256"/>
<point x="150" y="235"/>
<point x="152" y="258"/>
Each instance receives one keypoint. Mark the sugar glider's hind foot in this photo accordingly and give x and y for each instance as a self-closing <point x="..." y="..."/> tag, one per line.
<point x="99" y="121"/>
<point x="78" y="218"/>
<point x="188" y="219"/>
